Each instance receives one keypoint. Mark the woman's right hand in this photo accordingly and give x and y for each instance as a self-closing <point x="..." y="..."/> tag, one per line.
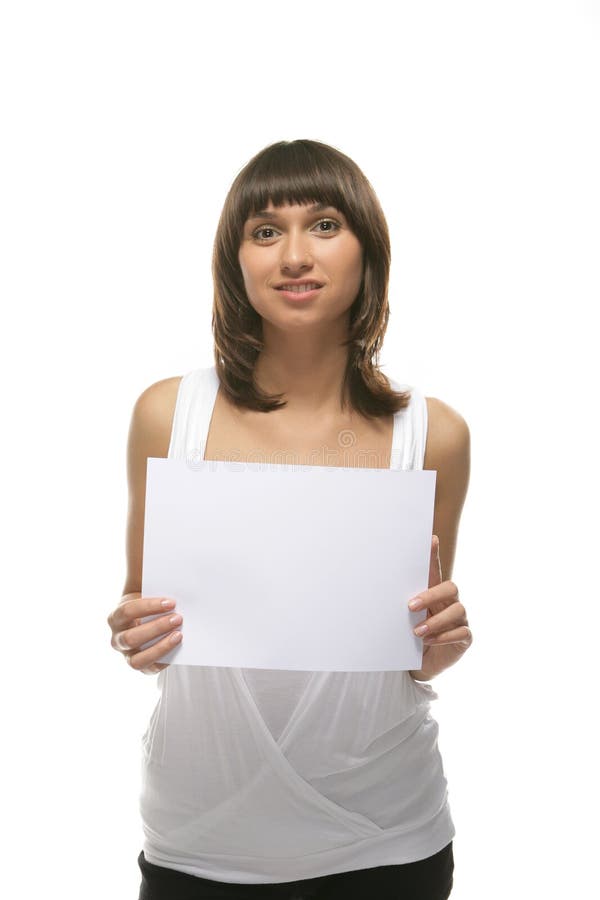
<point x="128" y="634"/>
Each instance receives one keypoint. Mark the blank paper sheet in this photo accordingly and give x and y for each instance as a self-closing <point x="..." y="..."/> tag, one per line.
<point x="289" y="567"/>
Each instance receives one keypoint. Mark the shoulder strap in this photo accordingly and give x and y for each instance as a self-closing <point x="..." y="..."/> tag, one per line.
<point x="193" y="410"/>
<point x="410" y="430"/>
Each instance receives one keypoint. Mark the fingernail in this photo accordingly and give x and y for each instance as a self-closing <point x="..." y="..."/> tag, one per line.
<point x="176" y="636"/>
<point x="414" y="603"/>
<point x="421" y="629"/>
<point x="167" y="603"/>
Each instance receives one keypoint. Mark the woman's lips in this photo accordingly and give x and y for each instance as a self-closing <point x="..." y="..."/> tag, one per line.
<point x="298" y="295"/>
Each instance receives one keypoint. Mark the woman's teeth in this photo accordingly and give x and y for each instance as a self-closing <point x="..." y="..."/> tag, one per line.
<point x="299" y="288"/>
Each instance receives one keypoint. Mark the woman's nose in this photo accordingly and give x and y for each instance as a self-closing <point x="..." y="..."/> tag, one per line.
<point x="295" y="251"/>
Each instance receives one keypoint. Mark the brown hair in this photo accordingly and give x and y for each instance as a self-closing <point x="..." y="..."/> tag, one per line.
<point x="303" y="171"/>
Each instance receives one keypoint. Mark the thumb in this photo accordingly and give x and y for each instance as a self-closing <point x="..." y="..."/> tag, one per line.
<point x="435" y="567"/>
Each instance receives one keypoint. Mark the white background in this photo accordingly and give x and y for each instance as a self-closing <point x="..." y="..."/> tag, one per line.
<point x="123" y="126"/>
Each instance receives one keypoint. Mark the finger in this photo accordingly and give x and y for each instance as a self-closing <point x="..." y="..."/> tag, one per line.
<point x="154" y="668"/>
<point x="435" y="568"/>
<point x="150" y="669"/>
<point x="118" y="642"/>
<point x="452" y="616"/>
<point x="462" y="635"/>
<point x="129" y="610"/>
<point x="133" y="638"/>
<point x="444" y="594"/>
<point x="145" y="658"/>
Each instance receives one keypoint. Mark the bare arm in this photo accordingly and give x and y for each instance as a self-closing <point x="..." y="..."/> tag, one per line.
<point x="448" y="452"/>
<point x="149" y="435"/>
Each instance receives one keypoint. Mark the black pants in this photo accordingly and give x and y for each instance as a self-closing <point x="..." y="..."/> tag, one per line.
<point x="426" y="879"/>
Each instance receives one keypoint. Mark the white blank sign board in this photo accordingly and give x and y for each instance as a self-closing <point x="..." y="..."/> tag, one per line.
<point x="289" y="567"/>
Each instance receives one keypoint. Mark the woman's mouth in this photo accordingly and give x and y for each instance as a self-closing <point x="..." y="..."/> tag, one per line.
<point x="300" y="291"/>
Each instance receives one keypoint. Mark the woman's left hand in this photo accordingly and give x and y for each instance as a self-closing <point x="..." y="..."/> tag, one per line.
<point x="447" y="634"/>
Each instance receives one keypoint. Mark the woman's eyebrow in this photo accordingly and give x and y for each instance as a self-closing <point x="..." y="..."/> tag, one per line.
<point x="273" y="214"/>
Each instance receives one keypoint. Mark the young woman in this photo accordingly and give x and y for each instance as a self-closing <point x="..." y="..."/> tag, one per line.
<point x="271" y="783"/>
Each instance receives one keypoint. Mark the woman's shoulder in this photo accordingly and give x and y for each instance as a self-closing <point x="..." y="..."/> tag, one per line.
<point x="448" y="437"/>
<point x="153" y="414"/>
<point x="158" y="400"/>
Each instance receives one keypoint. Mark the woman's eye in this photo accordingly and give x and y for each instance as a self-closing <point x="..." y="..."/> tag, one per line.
<point x="328" y="222"/>
<point x="260" y="231"/>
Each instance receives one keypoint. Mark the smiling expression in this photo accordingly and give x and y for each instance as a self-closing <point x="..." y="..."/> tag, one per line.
<point x="306" y="243"/>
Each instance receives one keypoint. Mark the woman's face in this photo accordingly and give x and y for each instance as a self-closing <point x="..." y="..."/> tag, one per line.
<point x="292" y="243"/>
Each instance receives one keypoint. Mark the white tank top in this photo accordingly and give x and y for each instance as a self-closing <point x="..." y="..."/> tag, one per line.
<point x="264" y="775"/>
